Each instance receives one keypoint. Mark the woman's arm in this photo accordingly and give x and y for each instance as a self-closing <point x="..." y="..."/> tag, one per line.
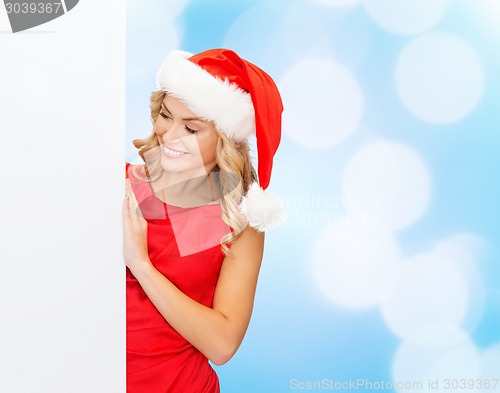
<point x="216" y="332"/>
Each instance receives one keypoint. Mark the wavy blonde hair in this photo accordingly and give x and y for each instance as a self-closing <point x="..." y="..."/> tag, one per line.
<point x="232" y="161"/>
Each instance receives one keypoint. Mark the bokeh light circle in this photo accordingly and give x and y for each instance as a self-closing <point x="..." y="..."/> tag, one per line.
<point x="257" y="35"/>
<point x="394" y="181"/>
<point x="406" y="17"/>
<point x="306" y="33"/>
<point x="323" y="103"/>
<point x="351" y="262"/>
<point x="428" y="290"/>
<point x="315" y="32"/>
<point x="490" y="364"/>
<point x="151" y="34"/>
<point x="439" y="78"/>
<point x="421" y="365"/>
<point x="464" y="250"/>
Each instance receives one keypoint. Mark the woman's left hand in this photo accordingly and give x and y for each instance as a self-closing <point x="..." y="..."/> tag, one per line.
<point x="135" y="247"/>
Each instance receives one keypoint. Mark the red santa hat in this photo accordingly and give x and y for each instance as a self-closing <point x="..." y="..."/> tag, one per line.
<point x="242" y="100"/>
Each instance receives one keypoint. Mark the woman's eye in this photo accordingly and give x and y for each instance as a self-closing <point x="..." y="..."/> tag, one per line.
<point x="164" y="115"/>
<point x="191" y="130"/>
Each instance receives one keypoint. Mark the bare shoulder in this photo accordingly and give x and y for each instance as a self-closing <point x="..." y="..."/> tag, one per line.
<point x="249" y="243"/>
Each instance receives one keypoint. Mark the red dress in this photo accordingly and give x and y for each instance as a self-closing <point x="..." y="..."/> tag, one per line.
<point x="183" y="244"/>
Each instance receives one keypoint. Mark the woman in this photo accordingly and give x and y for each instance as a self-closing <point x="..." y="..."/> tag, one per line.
<point x="194" y="217"/>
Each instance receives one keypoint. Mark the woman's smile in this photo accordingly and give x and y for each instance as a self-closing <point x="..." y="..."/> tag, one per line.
<point x="169" y="152"/>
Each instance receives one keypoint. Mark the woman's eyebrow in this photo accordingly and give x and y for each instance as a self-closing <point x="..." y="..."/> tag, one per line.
<point x="165" y="107"/>
<point x="186" y="118"/>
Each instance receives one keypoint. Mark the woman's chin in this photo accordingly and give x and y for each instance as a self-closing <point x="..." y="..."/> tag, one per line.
<point x="177" y="164"/>
<point x="185" y="169"/>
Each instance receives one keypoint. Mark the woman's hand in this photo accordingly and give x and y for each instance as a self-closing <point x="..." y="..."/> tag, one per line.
<point x="135" y="247"/>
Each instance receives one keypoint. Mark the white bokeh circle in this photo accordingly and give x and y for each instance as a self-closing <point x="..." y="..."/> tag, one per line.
<point x="485" y="14"/>
<point x="457" y="363"/>
<point x="323" y="103"/>
<point x="351" y="263"/>
<point x="427" y="290"/>
<point x="256" y="35"/>
<point x="315" y="32"/>
<point x="406" y="17"/>
<point x="305" y="32"/>
<point x="152" y="33"/>
<point x="419" y="366"/>
<point x="490" y="366"/>
<point x="464" y="250"/>
<point x="393" y="177"/>
<point x="439" y="78"/>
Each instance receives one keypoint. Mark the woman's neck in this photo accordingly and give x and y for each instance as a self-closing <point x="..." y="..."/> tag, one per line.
<point x="181" y="189"/>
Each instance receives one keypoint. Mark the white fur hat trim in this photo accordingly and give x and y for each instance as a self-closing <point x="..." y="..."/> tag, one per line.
<point x="262" y="210"/>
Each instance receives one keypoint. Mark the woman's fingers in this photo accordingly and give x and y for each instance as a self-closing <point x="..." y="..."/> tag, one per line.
<point x="133" y="204"/>
<point x="125" y="209"/>
<point x="134" y="229"/>
<point x="129" y="205"/>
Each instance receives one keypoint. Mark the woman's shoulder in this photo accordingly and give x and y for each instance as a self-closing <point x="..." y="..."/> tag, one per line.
<point x="249" y="240"/>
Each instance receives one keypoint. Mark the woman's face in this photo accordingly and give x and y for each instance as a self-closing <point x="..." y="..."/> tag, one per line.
<point x="187" y="142"/>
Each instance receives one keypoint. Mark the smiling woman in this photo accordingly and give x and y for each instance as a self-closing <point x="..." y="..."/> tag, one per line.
<point x="193" y="219"/>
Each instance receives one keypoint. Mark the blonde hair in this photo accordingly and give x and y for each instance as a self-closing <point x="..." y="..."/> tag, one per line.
<point x="233" y="163"/>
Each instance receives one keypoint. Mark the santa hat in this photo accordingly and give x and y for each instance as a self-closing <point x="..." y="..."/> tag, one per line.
<point x="242" y="100"/>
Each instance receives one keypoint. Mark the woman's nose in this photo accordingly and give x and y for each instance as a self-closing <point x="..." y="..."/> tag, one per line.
<point x="172" y="133"/>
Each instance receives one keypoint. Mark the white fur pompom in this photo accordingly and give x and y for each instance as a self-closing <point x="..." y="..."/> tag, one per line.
<point x="262" y="210"/>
